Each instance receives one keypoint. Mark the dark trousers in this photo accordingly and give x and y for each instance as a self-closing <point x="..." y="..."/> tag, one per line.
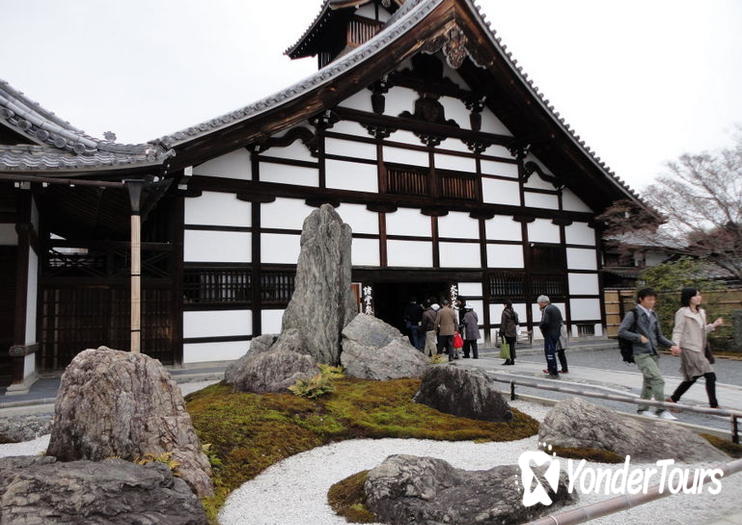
<point x="470" y="345"/>
<point x="446" y="341"/>
<point x="710" y="388"/>
<point x="550" y="348"/>
<point x="417" y="338"/>
<point x="511" y="343"/>
<point x="562" y="358"/>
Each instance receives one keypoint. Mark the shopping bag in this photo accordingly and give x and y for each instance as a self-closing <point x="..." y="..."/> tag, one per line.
<point x="458" y="341"/>
<point x="505" y="350"/>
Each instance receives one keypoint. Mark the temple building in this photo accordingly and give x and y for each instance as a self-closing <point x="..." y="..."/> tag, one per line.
<point x="455" y="173"/>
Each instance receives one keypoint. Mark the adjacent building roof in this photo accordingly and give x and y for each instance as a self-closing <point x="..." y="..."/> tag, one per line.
<point x="53" y="144"/>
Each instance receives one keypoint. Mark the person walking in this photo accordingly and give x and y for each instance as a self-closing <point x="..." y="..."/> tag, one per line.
<point x="550" y="325"/>
<point x="446" y="324"/>
<point x="471" y="333"/>
<point x="509" y="329"/>
<point x="413" y="314"/>
<point x="561" y="347"/>
<point x="642" y="328"/>
<point x="427" y="325"/>
<point x="690" y="335"/>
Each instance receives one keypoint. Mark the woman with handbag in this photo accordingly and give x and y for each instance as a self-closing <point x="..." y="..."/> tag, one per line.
<point x="690" y="334"/>
<point x="509" y="330"/>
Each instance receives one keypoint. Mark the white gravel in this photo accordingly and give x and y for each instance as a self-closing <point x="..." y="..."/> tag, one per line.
<point x="25" y="448"/>
<point x="294" y="491"/>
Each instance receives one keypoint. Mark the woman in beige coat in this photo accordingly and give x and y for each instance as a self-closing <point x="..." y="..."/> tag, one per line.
<point x="690" y="334"/>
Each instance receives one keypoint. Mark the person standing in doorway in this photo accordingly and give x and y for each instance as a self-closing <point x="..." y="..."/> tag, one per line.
<point x="550" y="325"/>
<point x="642" y="328"/>
<point x="471" y="333"/>
<point x="690" y="335"/>
<point x="509" y="329"/>
<point x="413" y="314"/>
<point x="428" y="327"/>
<point x="445" y="324"/>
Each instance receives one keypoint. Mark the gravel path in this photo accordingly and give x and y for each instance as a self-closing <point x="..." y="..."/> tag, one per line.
<point x="294" y="491"/>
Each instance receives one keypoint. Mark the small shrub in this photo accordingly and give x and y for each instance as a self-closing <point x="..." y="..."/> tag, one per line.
<point x="591" y="454"/>
<point x="312" y="388"/>
<point x="438" y="359"/>
<point x="332" y="372"/>
<point x="165" y="458"/>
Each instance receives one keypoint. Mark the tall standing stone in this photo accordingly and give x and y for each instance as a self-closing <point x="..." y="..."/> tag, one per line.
<point x="322" y="303"/>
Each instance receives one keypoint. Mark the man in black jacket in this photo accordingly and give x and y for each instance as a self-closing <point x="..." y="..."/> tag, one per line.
<point x="550" y="325"/>
<point x="413" y="314"/>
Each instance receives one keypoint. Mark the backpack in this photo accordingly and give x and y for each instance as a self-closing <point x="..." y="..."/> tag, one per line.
<point x="626" y="346"/>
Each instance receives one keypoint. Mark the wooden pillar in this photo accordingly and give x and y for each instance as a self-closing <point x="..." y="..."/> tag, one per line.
<point x="135" y="187"/>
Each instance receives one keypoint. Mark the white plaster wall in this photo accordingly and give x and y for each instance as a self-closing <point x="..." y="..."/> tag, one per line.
<point x="365" y="252"/>
<point x="500" y="192"/>
<point x="284" y="213"/>
<point x="285" y="174"/>
<point x="367" y="10"/>
<point x="503" y="228"/>
<point x="458" y="224"/>
<point x="455" y="109"/>
<point x="498" y="151"/>
<point x="350" y="128"/>
<point x="572" y="202"/>
<point x="579" y="233"/>
<point x="503" y="169"/>
<point x="496" y="313"/>
<point x="581" y="259"/>
<point x="278" y="248"/>
<point x="8" y="235"/>
<point x="350" y="148"/>
<point x="410" y="253"/>
<point x="214" y="208"/>
<point x="583" y="284"/>
<point x="536" y="182"/>
<point x="449" y="72"/>
<point x="492" y="124"/>
<point x="233" y="165"/>
<point x="204" y="352"/>
<point x="271" y="321"/>
<point x="542" y="230"/>
<point x="598" y="329"/>
<point x="399" y="99"/>
<point x="408" y="221"/>
<point x="504" y="256"/>
<point x="351" y="176"/>
<point x="214" y="246"/>
<point x="217" y="323"/>
<point x="296" y="150"/>
<point x="541" y="200"/>
<point x="360" y="101"/>
<point x="359" y="218"/>
<point x="585" y="309"/>
<point x="454" y="144"/>
<point x="459" y="255"/>
<point x="470" y="289"/>
<point x="406" y="156"/>
<point x="31" y="296"/>
<point x="451" y="162"/>
<point x="29" y="365"/>
<point x="404" y="136"/>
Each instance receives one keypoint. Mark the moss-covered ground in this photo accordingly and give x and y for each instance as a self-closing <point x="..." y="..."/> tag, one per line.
<point x="725" y="445"/>
<point x="348" y="499"/>
<point x="250" y="432"/>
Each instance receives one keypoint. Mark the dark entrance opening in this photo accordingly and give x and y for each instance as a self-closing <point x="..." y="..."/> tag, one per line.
<point x="391" y="298"/>
<point x="8" y="262"/>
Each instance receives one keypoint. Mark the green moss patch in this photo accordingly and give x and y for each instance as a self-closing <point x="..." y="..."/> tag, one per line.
<point x="725" y="445"/>
<point x="591" y="454"/>
<point x="348" y="499"/>
<point x="250" y="432"/>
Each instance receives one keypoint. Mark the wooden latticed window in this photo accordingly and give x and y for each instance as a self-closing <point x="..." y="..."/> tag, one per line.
<point x="276" y="288"/>
<point x="407" y="180"/>
<point x="508" y="285"/>
<point x="457" y="185"/>
<point x="213" y="286"/>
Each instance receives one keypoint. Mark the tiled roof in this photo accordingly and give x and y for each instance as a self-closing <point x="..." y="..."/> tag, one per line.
<point x="26" y="157"/>
<point x="59" y="145"/>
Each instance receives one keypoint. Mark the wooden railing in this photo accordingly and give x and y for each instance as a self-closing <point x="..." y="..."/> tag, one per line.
<point x="361" y="30"/>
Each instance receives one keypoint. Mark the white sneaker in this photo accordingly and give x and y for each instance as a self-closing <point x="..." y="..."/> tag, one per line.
<point x="666" y="415"/>
<point x="647" y="413"/>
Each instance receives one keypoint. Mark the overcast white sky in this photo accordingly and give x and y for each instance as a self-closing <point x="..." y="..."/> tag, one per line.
<point x="642" y="81"/>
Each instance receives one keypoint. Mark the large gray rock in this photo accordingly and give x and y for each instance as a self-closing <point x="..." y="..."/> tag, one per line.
<point x="322" y="303"/>
<point x="428" y="491"/>
<point x="462" y="392"/>
<point x="41" y="491"/>
<point x="372" y="349"/>
<point x="15" y="429"/>
<point x="258" y="345"/>
<point x="113" y="403"/>
<point x="575" y="423"/>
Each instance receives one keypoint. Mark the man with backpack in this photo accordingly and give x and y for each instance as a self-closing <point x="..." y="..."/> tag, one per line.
<point x="639" y="338"/>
